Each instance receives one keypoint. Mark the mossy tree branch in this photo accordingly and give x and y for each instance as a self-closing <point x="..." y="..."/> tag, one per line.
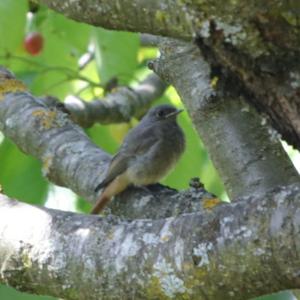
<point x="258" y="43"/>
<point x="186" y="19"/>
<point x="234" y="251"/>
<point x="247" y="154"/>
<point x="70" y="158"/>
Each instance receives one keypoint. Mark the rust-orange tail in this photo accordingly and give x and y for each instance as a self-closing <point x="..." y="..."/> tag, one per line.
<point x="115" y="187"/>
<point x="101" y="202"/>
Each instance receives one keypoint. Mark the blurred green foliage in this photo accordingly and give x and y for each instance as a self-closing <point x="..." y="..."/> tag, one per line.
<point x="59" y="71"/>
<point x="7" y="293"/>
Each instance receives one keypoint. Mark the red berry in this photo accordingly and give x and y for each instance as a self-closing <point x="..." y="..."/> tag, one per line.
<point x="33" y="43"/>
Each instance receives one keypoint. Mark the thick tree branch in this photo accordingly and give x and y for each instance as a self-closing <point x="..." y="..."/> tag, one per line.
<point x="235" y="251"/>
<point x="270" y="79"/>
<point x="247" y="156"/>
<point x="138" y="15"/>
<point x="239" y="20"/>
<point x="258" y="43"/>
<point x="119" y="106"/>
<point x="70" y="159"/>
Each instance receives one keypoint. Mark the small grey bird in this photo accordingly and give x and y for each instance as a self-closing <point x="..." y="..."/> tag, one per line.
<point x="147" y="154"/>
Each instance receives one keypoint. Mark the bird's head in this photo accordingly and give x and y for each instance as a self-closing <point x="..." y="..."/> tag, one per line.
<point x="163" y="112"/>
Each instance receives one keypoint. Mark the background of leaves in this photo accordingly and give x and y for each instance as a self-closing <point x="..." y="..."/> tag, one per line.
<point x="56" y="71"/>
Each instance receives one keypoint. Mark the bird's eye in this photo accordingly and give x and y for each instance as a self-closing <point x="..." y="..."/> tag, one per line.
<point x="160" y="113"/>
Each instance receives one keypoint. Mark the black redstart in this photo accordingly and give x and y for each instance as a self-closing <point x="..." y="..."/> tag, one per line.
<point x="148" y="152"/>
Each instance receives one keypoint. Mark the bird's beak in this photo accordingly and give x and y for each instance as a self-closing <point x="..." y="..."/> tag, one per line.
<point x="175" y="113"/>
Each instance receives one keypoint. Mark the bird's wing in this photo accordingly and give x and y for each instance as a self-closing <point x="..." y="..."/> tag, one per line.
<point x="137" y="142"/>
<point x="140" y="140"/>
<point x="117" y="166"/>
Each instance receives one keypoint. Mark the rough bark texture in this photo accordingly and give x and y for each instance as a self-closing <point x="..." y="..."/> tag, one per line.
<point x="250" y="51"/>
<point x="196" y="255"/>
<point x="184" y="19"/>
<point x="270" y="80"/>
<point x="257" y="41"/>
<point x="70" y="159"/>
<point x="233" y="251"/>
<point x="245" y="151"/>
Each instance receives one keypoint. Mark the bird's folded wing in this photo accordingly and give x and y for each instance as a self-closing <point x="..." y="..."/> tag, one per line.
<point x="117" y="166"/>
<point x="137" y="142"/>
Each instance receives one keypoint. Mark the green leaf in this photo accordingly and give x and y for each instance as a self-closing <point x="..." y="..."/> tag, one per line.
<point x="82" y="205"/>
<point x="12" y="24"/>
<point x="58" y="62"/>
<point x="20" y="175"/>
<point x="102" y="136"/>
<point x="55" y="70"/>
<point x="75" y="34"/>
<point x="116" y="54"/>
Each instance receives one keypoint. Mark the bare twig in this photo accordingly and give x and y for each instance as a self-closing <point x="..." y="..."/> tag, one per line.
<point x="118" y="106"/>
